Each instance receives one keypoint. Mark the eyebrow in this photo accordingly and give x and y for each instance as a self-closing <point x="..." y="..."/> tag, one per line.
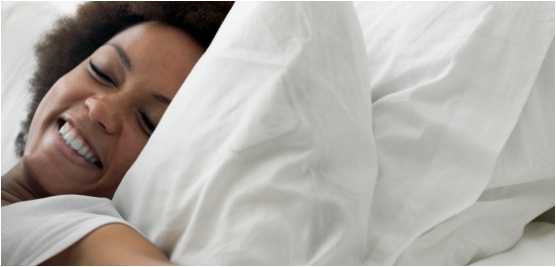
<point x="124" y="58"/>
<point x="162" y="99"/>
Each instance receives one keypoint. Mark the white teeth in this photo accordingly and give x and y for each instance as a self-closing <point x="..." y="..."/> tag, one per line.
<point x="74" y="141"/>
<point x="83" y="150"/>
<point x="69" y="136"/>
<point x="76" y="144"/>
<point x="65" y="129"/>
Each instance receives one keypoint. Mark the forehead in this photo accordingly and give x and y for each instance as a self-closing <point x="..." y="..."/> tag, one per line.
<point x="155" y="37"/>
<point x="159" y="49"/>
<point x="145" y="29"/>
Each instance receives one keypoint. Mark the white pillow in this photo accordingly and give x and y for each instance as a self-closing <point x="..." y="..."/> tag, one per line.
<point x="466" y="153"/>
<point x="266" y="155"/>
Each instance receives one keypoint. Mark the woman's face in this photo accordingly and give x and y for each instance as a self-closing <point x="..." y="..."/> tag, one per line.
<point x="95" y="120"/>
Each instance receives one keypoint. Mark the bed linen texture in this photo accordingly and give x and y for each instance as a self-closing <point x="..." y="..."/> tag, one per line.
<point x="268" y="155"/>
<point x="270" y="152"/>
<point x="34" y="231"/>
<point x="463" y="117"/>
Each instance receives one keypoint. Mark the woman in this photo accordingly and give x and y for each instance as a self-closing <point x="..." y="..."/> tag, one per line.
<point x="108" y="92"/>
<point x="104" y="79"/>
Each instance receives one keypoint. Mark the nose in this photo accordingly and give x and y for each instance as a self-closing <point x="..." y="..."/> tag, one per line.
<point x="105" y="111"/>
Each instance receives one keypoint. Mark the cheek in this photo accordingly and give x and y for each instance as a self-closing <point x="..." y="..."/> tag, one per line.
<point x="70" y="89"/>
<point x="47" y="111"/>
<point x="129" y="147"/>
<point x="127" y="151"/>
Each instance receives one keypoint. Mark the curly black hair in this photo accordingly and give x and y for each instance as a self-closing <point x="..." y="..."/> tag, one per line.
<point x="74" y="38"/>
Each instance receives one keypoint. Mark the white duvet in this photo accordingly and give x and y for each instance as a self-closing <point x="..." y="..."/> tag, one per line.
<point x="344" y="134"/>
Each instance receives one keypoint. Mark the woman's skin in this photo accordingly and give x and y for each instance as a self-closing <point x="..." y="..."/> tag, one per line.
<point x="111" y="102"/>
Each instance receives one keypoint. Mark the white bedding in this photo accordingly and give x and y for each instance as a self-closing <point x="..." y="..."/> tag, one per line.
<point x="278" y="164"/>
<point x="460" y="171"/>
<point x="462" y="102"/>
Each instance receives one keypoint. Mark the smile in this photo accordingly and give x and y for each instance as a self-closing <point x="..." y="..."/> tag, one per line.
<point x="76" y="143"/>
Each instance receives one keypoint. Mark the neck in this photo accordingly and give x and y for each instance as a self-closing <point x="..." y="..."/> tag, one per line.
<point x="17" y="186"/>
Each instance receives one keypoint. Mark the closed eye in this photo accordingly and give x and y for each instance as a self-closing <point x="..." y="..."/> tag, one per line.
<point x="147" y="123"/>
<point x="102" y="75"/>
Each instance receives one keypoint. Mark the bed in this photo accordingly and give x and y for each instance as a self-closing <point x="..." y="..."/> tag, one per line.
<point x="339" y="133"/>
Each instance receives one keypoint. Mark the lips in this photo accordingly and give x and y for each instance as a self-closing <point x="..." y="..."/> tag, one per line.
<point x="78" y="144"/>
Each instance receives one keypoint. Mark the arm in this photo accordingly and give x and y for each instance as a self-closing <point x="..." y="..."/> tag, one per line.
<point x="112" y="244"/>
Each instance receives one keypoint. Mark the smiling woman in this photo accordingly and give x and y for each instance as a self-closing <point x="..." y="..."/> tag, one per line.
<point x="94" y="121"/>
<point x="103" y="81"/>
<point x="95" y="107"/>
